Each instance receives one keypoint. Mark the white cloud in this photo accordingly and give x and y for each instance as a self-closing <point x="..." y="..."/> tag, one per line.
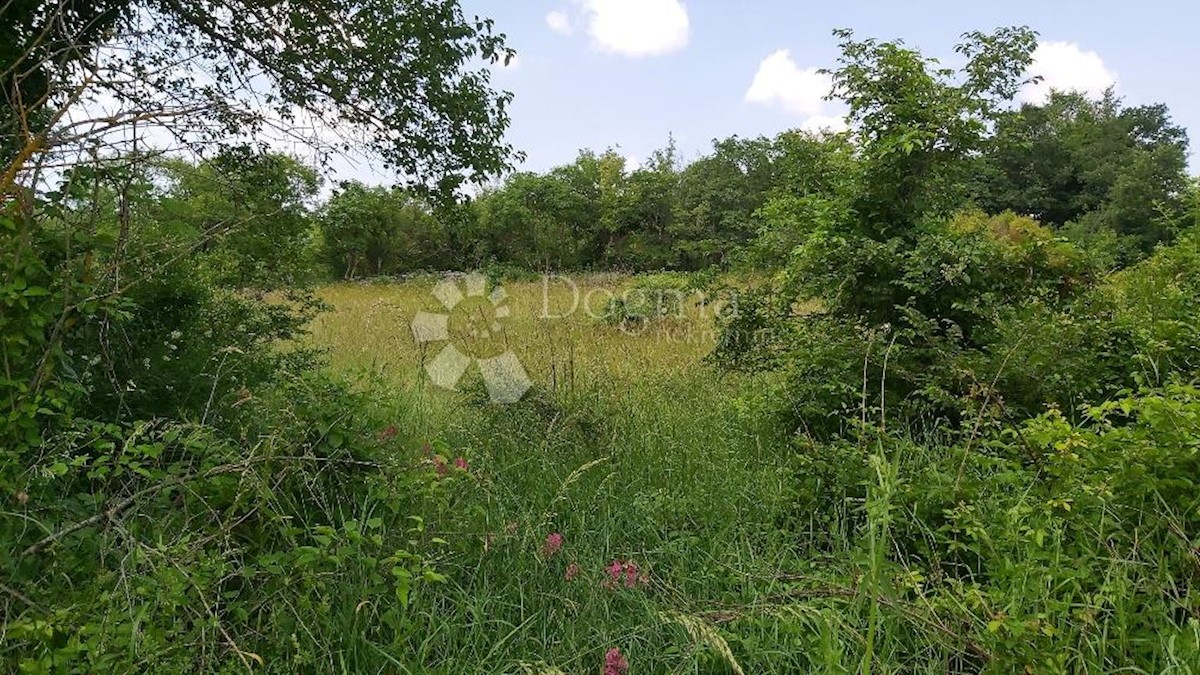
<point x="780" y="83"/>
<point x="1064" y="66"/>
<point x="560" y="22"/>
<point x="637" y="28"/>
<point x="818" y="123"/>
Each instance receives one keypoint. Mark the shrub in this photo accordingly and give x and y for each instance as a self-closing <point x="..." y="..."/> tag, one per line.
<point x="1137" y="328"/>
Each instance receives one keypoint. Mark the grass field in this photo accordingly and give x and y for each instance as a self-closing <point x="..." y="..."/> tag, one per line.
<point x="632" y="449"/>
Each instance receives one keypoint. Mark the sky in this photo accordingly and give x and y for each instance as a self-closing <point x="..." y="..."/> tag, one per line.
<point x="628" y="74"/>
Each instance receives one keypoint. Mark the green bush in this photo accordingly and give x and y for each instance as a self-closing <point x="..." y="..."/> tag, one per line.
<point x="1137" y="328"/>
<point x="180" y="478"/>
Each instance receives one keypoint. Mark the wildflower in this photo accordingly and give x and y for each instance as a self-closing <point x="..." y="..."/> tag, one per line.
<point x="388" y="433"/>
<point x="439" y="465"/>
<point x="631" y="574"/>
<point x="461" y="464"/>
<point x="614" y="574"/>
<point x="626" y="574"/>
<point x="572" y="572"/>
<point x="615" y="663"/>
<point x="552" y="544"/>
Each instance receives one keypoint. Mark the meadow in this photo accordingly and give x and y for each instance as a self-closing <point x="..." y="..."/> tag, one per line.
<point x="629" y="447"/>
<point x="919" y="396"/>
<point x="641" y="498"/>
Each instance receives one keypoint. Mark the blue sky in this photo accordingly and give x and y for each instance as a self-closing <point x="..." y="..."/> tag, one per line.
<point x="601" y="73"/>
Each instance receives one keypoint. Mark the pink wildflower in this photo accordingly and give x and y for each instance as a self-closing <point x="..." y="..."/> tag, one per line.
<point x="614" y="574"/>
<point x="572" y="571"/>
<point x="615" y="663"/>
<point x="552" y="545"/>
<point x="462" y="464"/>
<point x="624" y="573"/>
<point x="631" y="574"/>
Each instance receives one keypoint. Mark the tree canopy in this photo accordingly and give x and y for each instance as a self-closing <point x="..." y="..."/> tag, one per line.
<point x="406" y="82"/>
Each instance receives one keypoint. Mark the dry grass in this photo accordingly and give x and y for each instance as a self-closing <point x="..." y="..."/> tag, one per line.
<point x="370" y="329"/>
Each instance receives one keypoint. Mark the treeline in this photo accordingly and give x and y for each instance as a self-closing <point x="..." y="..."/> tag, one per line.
<point x="1094" y="171"/>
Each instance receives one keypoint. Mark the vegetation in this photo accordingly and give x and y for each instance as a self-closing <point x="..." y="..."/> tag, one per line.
<point x="918" y="397"/>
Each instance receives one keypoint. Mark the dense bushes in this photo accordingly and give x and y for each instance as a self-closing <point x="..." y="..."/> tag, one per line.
<point x="999" y="432"/>
<point x="181" y="479"/>
<point x="1046" y="546"/>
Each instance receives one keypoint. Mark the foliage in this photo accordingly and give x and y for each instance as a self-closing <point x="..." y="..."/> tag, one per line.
<point x="375" y="231"/>
<point x="247" y="216"/>
<point x="402" y="74"/>
<point x="1092" y="163"/>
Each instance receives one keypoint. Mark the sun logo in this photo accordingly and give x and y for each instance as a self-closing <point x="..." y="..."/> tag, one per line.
<point x="472" y="328"/>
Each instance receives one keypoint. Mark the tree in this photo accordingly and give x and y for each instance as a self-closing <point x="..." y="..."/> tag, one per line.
<point x="645" y="215"/>
<point x="376" y="231"/>
<point x="917" y="126"/>
<point x="1089" y="163"/>
<point x="247" y="214"/>
<point x="717" y="198"/>
<point x="397" y="79"/>
<point x="539" y="222"/>
<point x="814" y="183"/>
<point x="917" y="122"/>
<point x="900" y="282"/>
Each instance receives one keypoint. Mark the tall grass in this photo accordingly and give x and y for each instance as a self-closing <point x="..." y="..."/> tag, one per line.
<point x="630" y="446"/>
<point x="755" y="552"/>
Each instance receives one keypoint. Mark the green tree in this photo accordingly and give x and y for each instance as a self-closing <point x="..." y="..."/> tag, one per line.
<point x="1092" y="164"/>
<point x="717" y="198"/>
<point x="813" y="185"/>
<point x="917" y="126"/>
<point x="645" y="214"/>
<point x="371" y="231"/>
<point x="247" y="214"/>
<point x="409" y="76"/>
